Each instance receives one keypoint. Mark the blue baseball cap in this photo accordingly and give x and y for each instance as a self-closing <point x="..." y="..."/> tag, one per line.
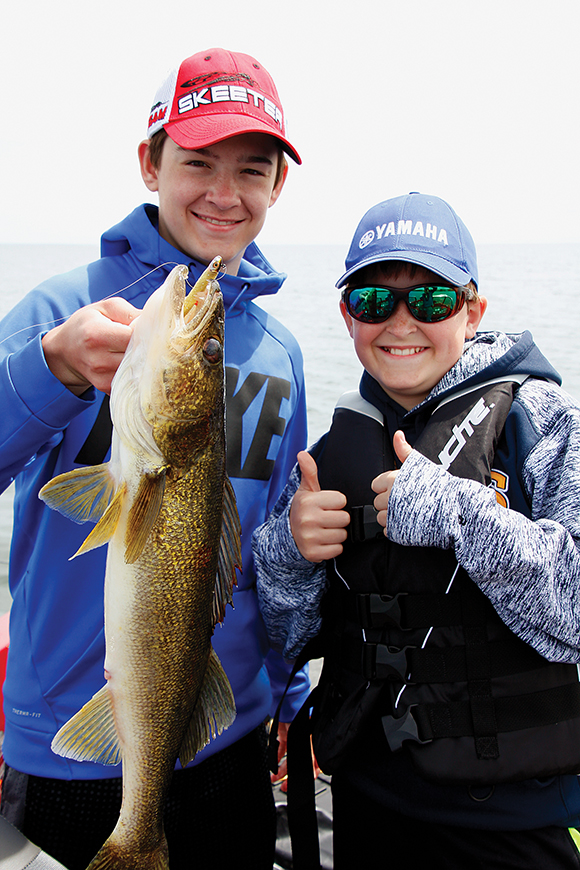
<point x="416" y="229"/>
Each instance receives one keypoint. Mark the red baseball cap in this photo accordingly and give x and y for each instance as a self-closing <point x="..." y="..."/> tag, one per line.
<point x="216" y="94"/>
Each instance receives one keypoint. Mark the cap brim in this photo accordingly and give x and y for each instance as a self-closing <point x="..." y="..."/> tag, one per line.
<point x="433" y="263"/>
<point x="201" y="132"/>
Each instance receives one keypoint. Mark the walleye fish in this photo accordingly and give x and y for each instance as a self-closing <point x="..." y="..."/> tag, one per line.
<point x="159" y="503"/>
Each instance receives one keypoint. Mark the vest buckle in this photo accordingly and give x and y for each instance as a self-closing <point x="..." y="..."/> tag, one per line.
<point x="374" y="610"/>
<point x="381" y="662"/>
<point x="401" y="729"/>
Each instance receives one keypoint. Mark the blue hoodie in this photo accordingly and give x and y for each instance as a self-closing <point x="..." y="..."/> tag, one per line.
<point x="526" y="559"/>
<point x="57" y="646"/>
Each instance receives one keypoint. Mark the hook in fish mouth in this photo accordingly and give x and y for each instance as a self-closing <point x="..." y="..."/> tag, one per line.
<point x="205" y="287"/>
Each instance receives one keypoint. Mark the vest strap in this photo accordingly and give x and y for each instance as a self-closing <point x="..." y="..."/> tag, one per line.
<point x="311" y="650"/>
<point x="478" y="666"/>
<point x="377" y="661"/>
<point x="405" y="610"/>
<point x="448" y="665"/>
<point x="301" y="796"/>
<point x="432" y="721"/>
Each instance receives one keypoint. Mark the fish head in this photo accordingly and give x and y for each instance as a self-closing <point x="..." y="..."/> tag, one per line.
<point x="173" y="369"/>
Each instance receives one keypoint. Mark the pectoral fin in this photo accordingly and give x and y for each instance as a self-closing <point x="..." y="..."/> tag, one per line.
<point x="215" y="710"/>
<point x="82" y="494"/>
<point x="143" y="513"/>
<point x="90" y="735"/>
<point x="105" y="528"/>
<point x="230" y="554"/>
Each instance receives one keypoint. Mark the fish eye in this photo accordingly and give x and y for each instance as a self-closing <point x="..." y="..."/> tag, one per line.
<point x="212" y="351"/>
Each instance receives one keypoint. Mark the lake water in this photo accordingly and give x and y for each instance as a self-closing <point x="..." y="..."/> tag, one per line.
<point x="535" y="287"/>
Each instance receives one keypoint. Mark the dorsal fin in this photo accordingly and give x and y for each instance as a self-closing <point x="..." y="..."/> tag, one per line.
<point x="230" y="554"/>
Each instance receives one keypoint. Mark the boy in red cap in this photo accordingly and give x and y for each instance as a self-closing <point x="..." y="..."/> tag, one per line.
<point x="215" y="155"/>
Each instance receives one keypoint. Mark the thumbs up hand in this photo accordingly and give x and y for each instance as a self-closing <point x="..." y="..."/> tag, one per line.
<point x="383" y="484"/>
<point x="317" y="518"/>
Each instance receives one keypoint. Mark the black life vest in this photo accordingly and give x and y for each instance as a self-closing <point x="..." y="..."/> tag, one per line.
<point x="409" y="637"/>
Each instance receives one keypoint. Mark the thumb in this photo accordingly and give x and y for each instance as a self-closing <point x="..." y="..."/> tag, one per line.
<point x="309" y="472"/>
<point x="401" y="445"/>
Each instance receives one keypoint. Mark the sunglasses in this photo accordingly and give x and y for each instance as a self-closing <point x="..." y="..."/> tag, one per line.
<point x="428" y="303"/>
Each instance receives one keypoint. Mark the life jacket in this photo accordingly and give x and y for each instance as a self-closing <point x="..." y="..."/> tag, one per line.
<point x="408" y="636"/>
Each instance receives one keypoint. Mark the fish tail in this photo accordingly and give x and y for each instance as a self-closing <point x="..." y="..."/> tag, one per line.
<point x="112" y="856"/>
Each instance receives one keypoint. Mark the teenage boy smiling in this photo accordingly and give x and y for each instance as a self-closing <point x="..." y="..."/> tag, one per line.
<point x="430" y="542"/>
<point x="215" y="155"/>
<point x="215" y="197"/>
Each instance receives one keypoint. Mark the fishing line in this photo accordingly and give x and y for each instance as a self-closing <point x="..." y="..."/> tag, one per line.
<point x="62" y="319"/>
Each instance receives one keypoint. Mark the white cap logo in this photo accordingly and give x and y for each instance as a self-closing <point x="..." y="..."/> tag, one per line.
<point x="366" y="239"/>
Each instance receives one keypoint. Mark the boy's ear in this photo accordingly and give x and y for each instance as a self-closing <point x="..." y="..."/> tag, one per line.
<point x="475" y="311"/>
<point x="278" y="189"/>
<point x="148" y="171"/>
<point x="347" y="317"/>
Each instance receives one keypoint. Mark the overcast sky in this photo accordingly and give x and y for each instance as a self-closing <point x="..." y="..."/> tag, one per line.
<point x="476" y="101"/>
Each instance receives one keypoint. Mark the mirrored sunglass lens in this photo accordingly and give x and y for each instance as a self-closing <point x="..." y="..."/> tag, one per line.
<point x="431" y="304"/>
<point x="370" y="303"/>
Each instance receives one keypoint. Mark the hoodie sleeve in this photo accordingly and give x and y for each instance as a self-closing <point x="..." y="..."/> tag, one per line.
<point x="36" y="406"/>
<point x="529" y="568"/>
<point x="290" y="587"/>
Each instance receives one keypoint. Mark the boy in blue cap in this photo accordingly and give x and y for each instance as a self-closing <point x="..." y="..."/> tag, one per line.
<point x="215" y="154"/>
<point x="429" y="541"/>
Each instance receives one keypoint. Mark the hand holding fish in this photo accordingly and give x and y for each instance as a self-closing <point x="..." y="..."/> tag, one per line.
<point x="88" y="347"/>
<point x="317" y="518"/>
<point x="383" y="484"/>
